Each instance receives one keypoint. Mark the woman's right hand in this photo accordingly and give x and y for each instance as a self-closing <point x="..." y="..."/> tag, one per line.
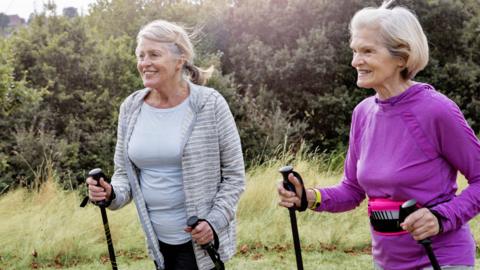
<point x="290" y="198"/>
<point x="98" y="193"/>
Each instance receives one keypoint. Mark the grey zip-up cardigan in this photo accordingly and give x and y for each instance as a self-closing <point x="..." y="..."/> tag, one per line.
<point x="212" y="167"/>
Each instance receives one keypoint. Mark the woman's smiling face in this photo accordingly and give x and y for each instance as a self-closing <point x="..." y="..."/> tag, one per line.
<point x="376" y="67"/>
<point x="156" y="64"/>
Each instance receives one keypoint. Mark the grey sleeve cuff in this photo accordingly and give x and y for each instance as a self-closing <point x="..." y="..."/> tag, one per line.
<point x="217" y="220"/>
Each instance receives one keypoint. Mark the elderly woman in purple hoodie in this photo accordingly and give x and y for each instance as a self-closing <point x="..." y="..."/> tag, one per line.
<point x="406" y="142"/>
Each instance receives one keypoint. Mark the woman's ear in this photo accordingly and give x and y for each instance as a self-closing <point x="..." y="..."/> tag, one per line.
<point x="402" y="63"/>
<point x="180" y="62"/>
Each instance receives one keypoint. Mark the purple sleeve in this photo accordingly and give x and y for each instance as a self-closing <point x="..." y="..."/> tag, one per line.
<point x="348" y="194"/>
<point x="457" y="143"/>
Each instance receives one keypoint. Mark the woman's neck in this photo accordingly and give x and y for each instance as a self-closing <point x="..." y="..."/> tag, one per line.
<point x="168" y="96"/>
<point x="394" y="89"/>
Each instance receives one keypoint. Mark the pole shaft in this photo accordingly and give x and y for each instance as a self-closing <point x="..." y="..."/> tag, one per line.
<point x="296" y="239"/>
<point x="431" y="256"/>
<point x="215" y="259"/>
<point x="111" y="251"/>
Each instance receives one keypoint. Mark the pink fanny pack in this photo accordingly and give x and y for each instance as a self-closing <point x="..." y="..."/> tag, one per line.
<point x="384" y="216"/>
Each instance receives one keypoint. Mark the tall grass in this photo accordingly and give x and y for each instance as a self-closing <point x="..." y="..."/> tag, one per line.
<point x="48" y="230"/>
<point x="261" y="220"/>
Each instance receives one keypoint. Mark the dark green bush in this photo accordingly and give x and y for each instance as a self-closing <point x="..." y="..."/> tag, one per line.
<point x="283" y="66"/>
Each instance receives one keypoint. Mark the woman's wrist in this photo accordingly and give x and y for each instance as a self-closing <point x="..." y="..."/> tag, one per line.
<point x="111" y="197"/>
<point x="439" y="220"/>
<point x="310" y="197"/>
<point x="314" y="198"/>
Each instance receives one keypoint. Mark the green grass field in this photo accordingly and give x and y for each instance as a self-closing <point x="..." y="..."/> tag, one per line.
<point x="48" y="229"/>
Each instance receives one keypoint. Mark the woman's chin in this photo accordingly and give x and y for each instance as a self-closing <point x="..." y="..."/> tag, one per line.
<point x="363" y="84"/>
<point x="149" y="84"/>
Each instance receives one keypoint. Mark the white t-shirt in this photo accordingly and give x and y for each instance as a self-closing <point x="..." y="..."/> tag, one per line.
<point x="155" y="148"/>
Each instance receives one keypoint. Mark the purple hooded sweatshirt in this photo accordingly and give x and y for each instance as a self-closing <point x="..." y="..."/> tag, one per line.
<point x="411" y="146"/>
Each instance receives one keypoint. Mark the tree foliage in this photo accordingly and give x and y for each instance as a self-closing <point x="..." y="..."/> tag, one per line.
<point x="299" y="51"/>
<point x="283" y="66"/>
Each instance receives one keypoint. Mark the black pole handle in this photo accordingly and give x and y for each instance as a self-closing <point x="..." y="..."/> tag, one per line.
<point x="285" y="171"/>
<point x="209" y="247"/>
<point x="96" y="174"/>
<point x="193" y="222"/>
<point x="408" y="208"/>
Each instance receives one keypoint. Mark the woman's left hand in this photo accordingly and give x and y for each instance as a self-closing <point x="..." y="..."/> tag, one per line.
<point x="202" y="234"/>
<point x="421" y="224"/>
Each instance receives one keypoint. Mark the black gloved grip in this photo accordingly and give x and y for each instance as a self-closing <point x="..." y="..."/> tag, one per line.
<point x="285" y="171"/>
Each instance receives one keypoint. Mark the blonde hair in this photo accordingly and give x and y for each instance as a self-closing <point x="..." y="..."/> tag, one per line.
<point x="178" y="43"/>
<point x="400" y="31"/>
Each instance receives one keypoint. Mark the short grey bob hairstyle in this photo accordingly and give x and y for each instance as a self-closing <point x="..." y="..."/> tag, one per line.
<point x="401" y="32"/>
<point x="178" y="42"/>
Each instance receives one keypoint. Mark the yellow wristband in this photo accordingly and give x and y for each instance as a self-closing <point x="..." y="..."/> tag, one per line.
<point x="318" y="199"/>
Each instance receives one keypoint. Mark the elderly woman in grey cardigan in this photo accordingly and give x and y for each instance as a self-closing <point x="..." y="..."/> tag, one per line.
<point x="178" y="154"/>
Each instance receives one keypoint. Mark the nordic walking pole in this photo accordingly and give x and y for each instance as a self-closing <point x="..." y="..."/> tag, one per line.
<point x="209" y="247"/>
<point x="97" y="174"/>
<point x="285" y="171"/>
<point x="406" y="209"/>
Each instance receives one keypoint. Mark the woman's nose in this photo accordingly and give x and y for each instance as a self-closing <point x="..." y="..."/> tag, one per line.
<point x="145" y="62"/>
<point x="356" y="60"/>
